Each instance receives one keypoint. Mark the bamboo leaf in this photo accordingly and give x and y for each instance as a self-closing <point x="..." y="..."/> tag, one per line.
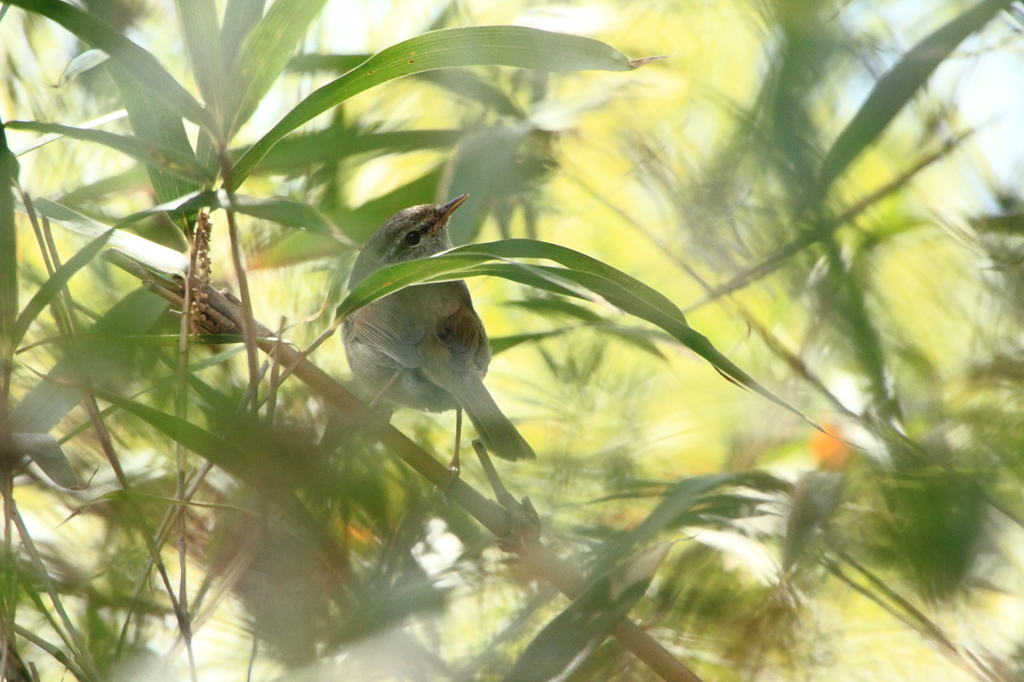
<point x="220" y="451"/>
<point x="146" y="72"/>
<point x="82" y="63"/>
<point x="155" y="258"/>
<point x="45" y="451"/>
<point x="579" y="273"/>
<point x="263" y="55"/>
<point x="240" y="16"/>
<point x="170" y="160"/>
<point x="202" y="40"/>
<point x="8" y="250"/>
<point x="472" y="46"/>
<point x="894" y="89"/>
<point x="276" y="209"/>
<point x="47" y="402"/>
<point x="155" y="123"/>
<point x="564" y="643"/>
<point x="52" y="286"/>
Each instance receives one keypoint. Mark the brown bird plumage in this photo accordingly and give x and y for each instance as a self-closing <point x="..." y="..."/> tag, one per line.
<point x="424" y="346"/>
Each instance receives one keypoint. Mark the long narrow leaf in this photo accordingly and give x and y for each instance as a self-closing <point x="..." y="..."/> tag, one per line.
<point x="8" y="246"/>
<point x="52" y="286"/>
<point x="45" y="451"/>
<point x="264" y="53"/>
<point x="899" y="85"/>
<point x="155" y="258"/>
<point x="276" y="209"/>
<point x="564" y="643"/>
<point x="472" y="46"/>
<point x="240" y="16"/>
<point x="579" y="271"/>
<point x="146" y="71"/>
<point x="220" y="451"/>
<point x="47" y="402"/>
<point x="155" y="123"/>
<point x="168" y="160"/>
<point x="52" y="137"/>
<point x="199" y="28"/>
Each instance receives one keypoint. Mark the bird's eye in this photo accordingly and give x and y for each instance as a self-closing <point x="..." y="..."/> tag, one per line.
<point x="413" y="238"/>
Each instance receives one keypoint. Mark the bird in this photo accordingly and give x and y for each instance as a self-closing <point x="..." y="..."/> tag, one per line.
<point x="424" y="346"/>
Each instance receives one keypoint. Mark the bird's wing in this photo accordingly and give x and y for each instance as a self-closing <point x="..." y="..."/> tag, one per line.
<point x="462" y="333"/>
<point x="384" y="327"/>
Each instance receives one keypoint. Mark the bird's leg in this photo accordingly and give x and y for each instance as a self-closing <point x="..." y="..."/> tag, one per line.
<point x="387" y="387"/>
<point x="524" y="527"/>
<point x="454" y="465"/>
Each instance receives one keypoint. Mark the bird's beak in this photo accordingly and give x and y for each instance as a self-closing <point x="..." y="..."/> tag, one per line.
<point x="446" y="212"/>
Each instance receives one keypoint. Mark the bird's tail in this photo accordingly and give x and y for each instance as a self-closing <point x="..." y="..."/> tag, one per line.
<point x="498" y="434"/>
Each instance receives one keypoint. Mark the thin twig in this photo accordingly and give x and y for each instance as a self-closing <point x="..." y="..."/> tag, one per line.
<point x="163" y="531"/>
<point x="248" y="325"/>
<point x="106" y="442"/>
<point x="275" y="373"/>
<point x="536" y="558"/>
<point x="72" y="638"/>
<point x="199" y="244"/>
<point x="824" y="228"/>
<point x="49" y="648"/>
<point x="912" y="618"/>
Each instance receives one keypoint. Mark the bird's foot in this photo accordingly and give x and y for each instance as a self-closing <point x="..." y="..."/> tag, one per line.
<point x="524" y="521"/>
<point x="524" y="527"/>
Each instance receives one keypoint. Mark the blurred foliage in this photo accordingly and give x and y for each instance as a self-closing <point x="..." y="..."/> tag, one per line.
<point x="828" y="190"/>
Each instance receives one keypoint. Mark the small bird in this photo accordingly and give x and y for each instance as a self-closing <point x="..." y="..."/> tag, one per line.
<point x="424" y="346"/>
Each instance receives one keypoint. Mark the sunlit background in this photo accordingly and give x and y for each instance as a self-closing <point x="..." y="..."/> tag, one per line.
<point x="887" y="310"/>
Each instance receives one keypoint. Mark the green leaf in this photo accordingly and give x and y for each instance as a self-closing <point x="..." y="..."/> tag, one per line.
<point x="501" y="344"/>
<point x="125" y="182"/>
<point x="336" y="63"/>
<point x="45" y="451"/>
<point x="47" y="402"/>
<point x="578" y="272"/>
<point x="298" y="152"/>
<point x="240" y="17"/>
<point x="634" y="336"/>
<point x="52" y="137"/>
<point x="467" y="84"/>
<point x="217" y="450"/>
<point x="899" y="85"/>
<point x="56" y="282"/>
<point x="157" y="259"/>
<point x="472" y="46"/>
<point x="145" y="71"/>
<point x="461" y="82"/>
<point x="153" y="155"/>
<point x="200" y="29"/>
<point x="8" y="250"/>
<point x="493" y="166"/>
<point x="816" y="496"/>
<point x="276" y="209"/>
<point x="155" y="123"/>
<point x="679" y="499"/>
<point x="564" y="643"/>
<point x="76" y="67"/>
<point x="263" y="55"/>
